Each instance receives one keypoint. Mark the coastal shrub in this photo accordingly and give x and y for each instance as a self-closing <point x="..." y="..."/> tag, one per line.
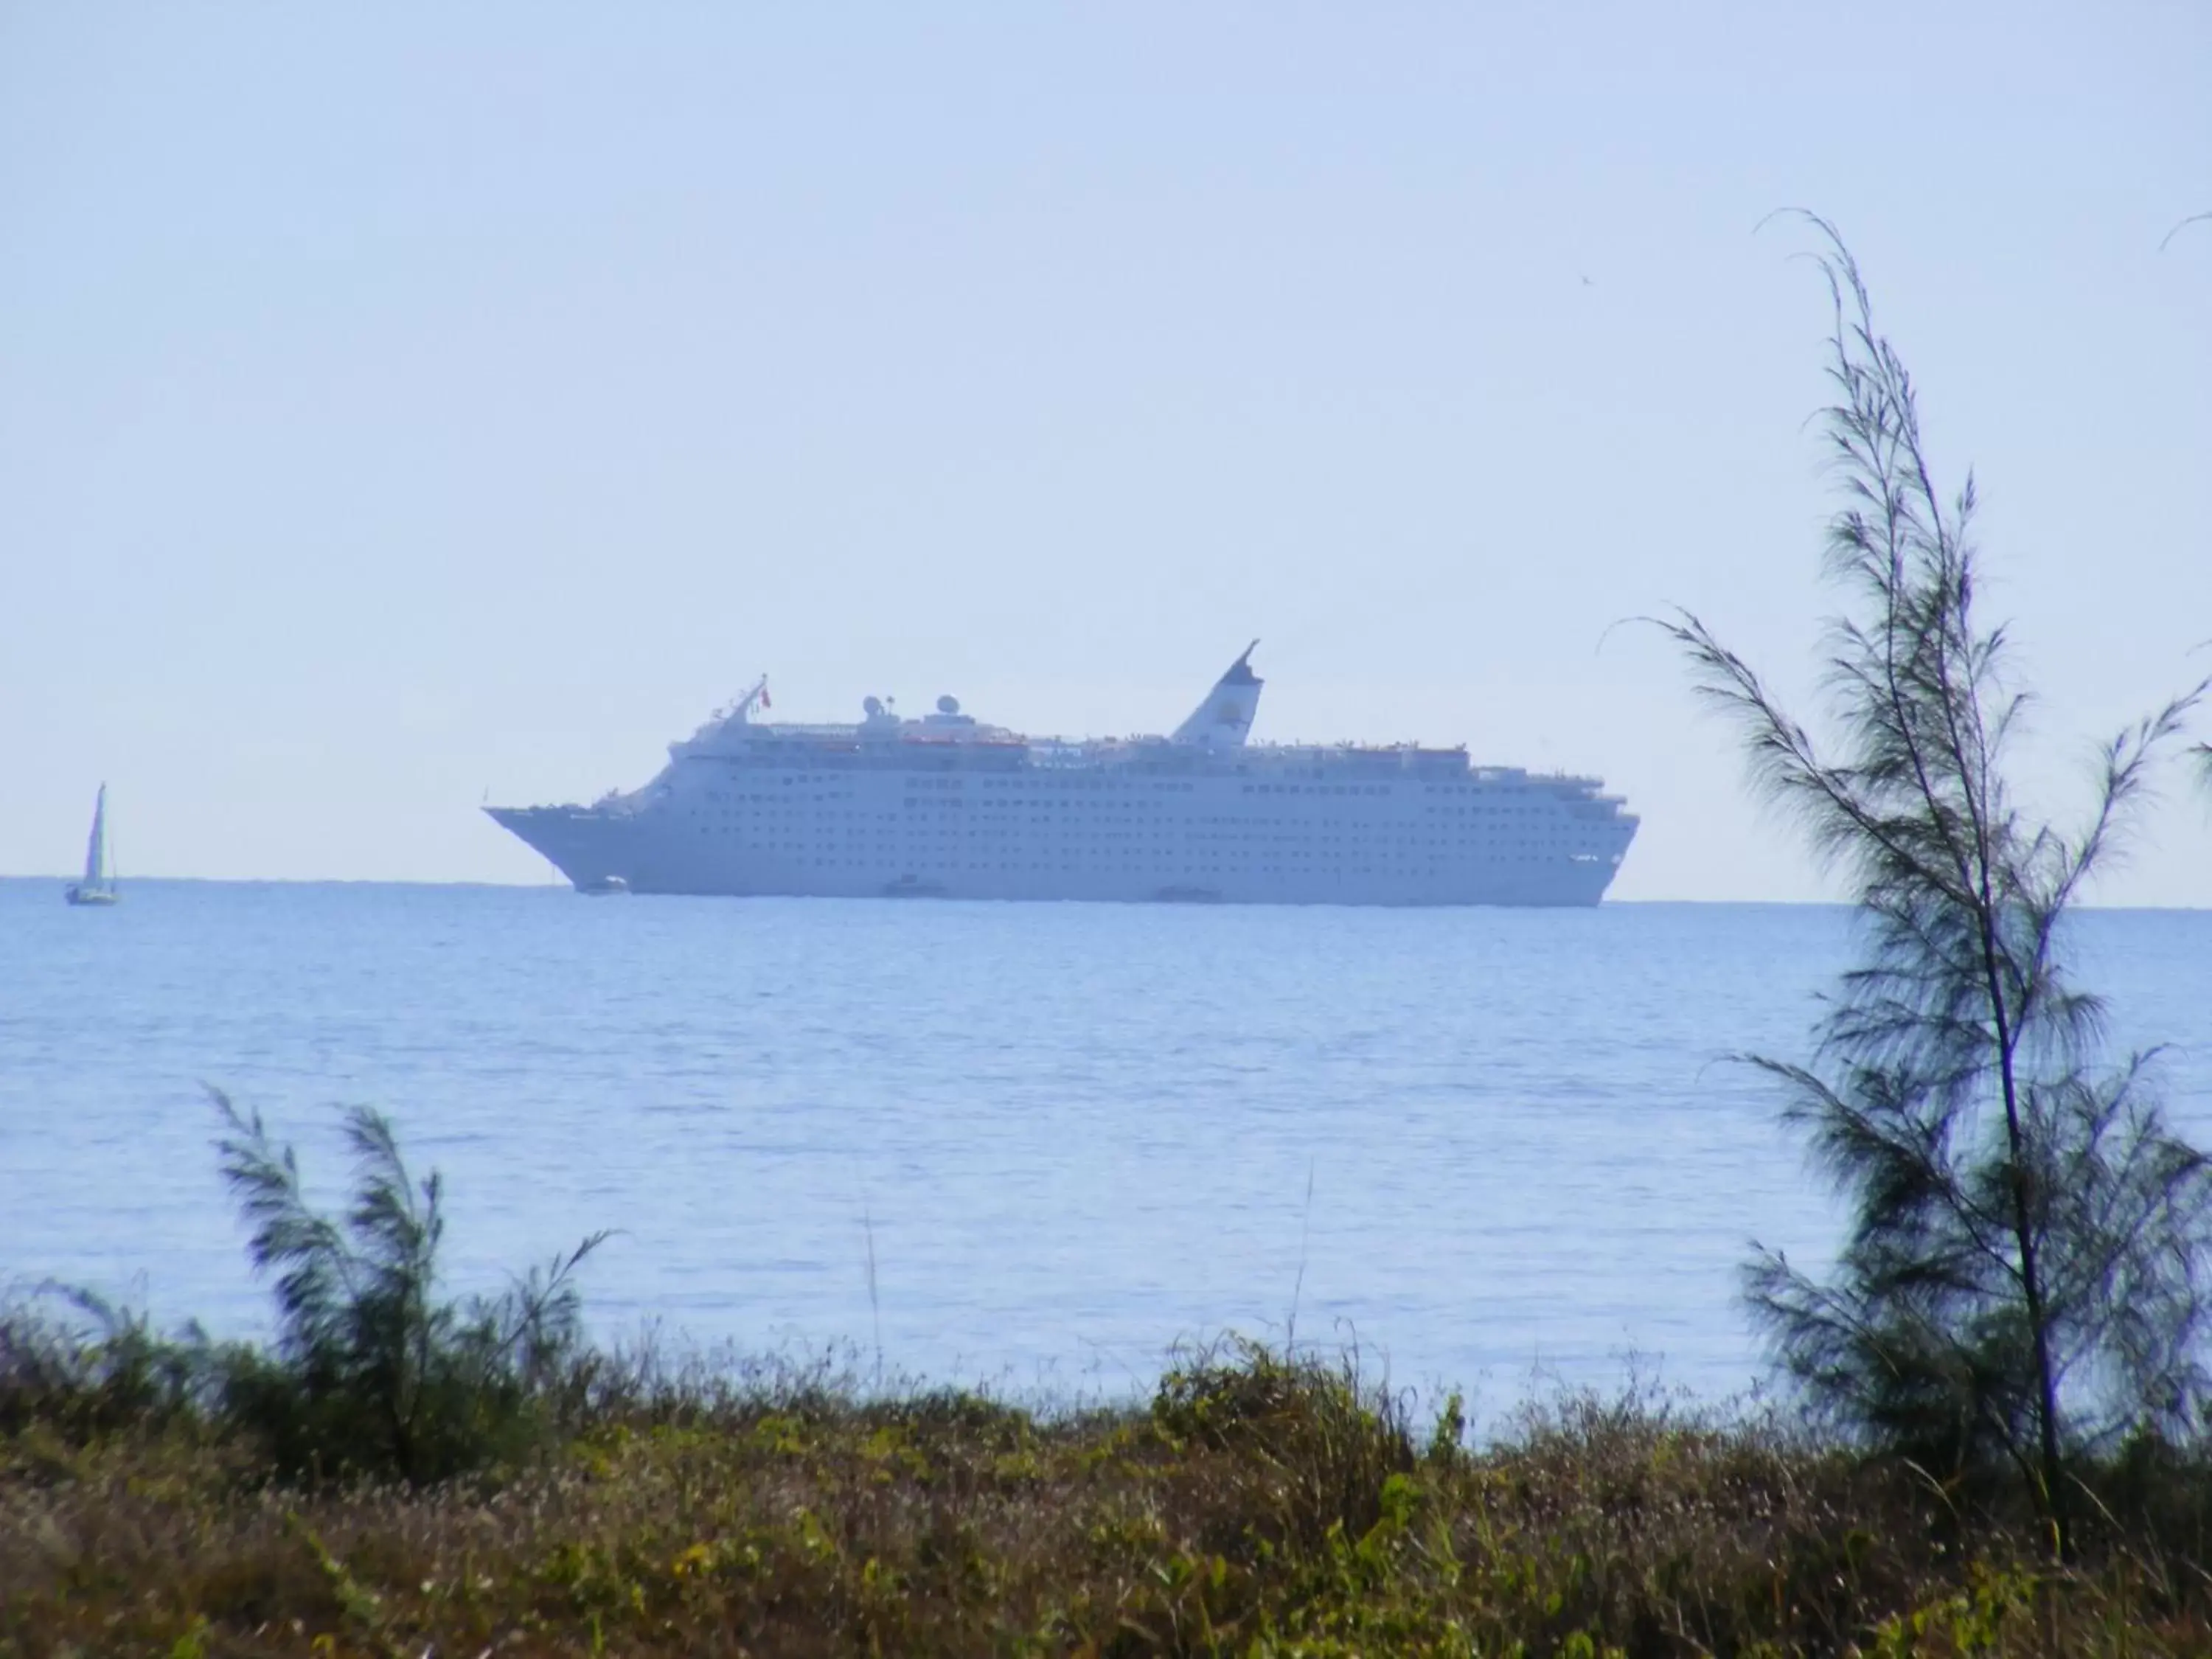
<point x="1315" y="1445"/>
<point x="78" y="1365"/>
<point x="376" y="1371"/>
<point x="2023" y="1277"/>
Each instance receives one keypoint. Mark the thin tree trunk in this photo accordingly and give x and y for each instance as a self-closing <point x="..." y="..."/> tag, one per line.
<point x="2031" y="1279"/>
<point x="1973" y="776"/>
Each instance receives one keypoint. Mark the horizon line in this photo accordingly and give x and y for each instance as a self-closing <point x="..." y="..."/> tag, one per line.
<point x="65" y="876"/>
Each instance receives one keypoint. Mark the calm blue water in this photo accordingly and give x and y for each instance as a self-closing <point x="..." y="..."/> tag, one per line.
<point x="1076" y="1133"/>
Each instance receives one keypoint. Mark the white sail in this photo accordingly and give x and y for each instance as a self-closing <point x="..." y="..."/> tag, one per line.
<point x="95" y="849"/>
<point x="98" y="886"/>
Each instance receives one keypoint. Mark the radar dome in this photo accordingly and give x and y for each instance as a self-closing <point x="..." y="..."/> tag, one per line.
<point x="948" y="705"/>
<point x="872" y="706"/>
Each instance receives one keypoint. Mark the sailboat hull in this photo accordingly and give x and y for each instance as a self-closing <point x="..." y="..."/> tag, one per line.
<point x="91" y="895"/>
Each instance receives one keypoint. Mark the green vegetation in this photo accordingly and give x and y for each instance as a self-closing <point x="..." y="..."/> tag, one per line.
<point x="1260" y="1506"/>
<point x="376" y="1372"/>
<point x="2024" y="1276"/>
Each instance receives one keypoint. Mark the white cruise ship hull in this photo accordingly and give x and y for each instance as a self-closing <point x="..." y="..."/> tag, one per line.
<point x="1525" y="841"/>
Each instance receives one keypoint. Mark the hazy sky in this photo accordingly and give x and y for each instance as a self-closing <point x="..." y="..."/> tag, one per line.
<point x="402" y="401"/>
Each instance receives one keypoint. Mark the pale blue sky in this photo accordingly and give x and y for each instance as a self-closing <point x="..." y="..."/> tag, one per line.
<point x="399" y="402"/>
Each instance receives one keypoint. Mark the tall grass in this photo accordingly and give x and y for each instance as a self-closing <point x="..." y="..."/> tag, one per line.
<point x="377" y="1372"/>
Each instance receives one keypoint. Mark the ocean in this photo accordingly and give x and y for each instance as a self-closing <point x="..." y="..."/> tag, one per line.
<point x="1040" y="1146"/>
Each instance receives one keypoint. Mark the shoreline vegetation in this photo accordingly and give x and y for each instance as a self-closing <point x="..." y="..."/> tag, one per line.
<point x="1260" y="1504"/>
<point x="1995" y="1437"/>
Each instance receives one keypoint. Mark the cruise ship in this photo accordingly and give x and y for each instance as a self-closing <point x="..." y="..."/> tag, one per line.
<point x="948" y="807"/>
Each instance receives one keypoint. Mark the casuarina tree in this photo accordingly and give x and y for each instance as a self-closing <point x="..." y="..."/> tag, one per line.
<point x="2021" y="1277"/>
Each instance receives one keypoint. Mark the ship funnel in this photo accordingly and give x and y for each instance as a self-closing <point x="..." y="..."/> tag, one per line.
<point x="1225" y="719"/>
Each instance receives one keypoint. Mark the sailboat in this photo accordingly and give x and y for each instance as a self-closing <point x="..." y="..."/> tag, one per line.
<point x="98" y="886"/>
